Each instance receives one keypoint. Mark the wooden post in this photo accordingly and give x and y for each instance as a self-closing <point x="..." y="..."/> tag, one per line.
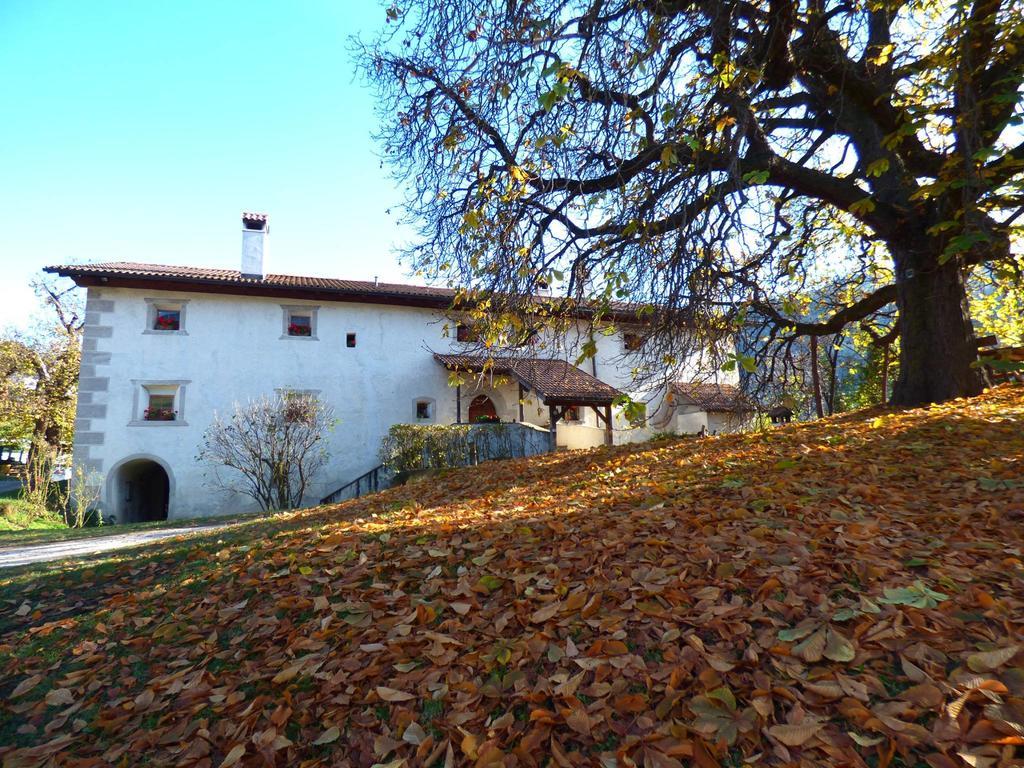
<point x="608" y="437"/>
<point x="522" y="396"/>
<point x="552" y="421"/>
<point x="458" y="403"/>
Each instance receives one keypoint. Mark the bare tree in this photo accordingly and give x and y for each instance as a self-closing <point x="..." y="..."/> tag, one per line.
<point x="269" y="448"/>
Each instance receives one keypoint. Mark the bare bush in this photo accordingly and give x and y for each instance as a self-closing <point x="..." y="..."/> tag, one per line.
<point x="269" y="449"/>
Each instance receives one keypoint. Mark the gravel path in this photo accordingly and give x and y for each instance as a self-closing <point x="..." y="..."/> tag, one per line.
<point x="11" y="556"/>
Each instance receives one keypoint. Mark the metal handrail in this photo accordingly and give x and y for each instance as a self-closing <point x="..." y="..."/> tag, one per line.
<point x="372" y="483"/>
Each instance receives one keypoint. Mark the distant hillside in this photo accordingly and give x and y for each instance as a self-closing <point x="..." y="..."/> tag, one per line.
<point x="848" y="592"/>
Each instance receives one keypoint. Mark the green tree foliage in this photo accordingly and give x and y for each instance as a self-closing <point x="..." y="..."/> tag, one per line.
<point x="39" y="378"/>
<point x="998" y="304"/>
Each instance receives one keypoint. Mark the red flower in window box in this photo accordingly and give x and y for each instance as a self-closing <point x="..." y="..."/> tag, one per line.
<point x="166" y="323"/>
<point x="159" y="414"/>
<point x="295" y="329"/>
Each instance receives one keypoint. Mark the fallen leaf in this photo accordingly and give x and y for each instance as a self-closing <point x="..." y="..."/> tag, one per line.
<point x="390" y="694"/>
<point x="233" y="756"/>
<point x="795" y="735"/>
<point x="987" y="661"/>
<point x="545" y="613"/>
<point x="26" y="685"/>
<point x="329" y="736"/>
<point x="59" y="697"/>
<point x="414" y="733"/>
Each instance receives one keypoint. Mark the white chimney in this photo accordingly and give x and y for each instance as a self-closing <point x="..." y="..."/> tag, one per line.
<point x="255" y="228"/>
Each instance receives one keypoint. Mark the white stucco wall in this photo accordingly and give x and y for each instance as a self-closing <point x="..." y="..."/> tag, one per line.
<point x="690" y="420"/>
<point x="232" y="350"/>
<point x="724" y="423"/>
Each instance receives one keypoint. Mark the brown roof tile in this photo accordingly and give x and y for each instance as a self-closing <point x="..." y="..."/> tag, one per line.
<point x="204" y="279"/>
<point x="714" y="397"/>
<point x="133" y="270"/>
<point x="556" y="381"/>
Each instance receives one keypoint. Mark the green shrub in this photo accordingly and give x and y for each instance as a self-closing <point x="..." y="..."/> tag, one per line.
<point x="669" y="435"/>
<point x="19" y="514"/>
<point x="410" y="447"/>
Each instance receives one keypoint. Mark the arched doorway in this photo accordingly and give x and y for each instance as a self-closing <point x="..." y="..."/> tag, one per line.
<point x="482" y="408"/>
<point x="141" y="491"/>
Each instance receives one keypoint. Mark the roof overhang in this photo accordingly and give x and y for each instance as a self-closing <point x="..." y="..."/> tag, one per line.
<point x="251" y="288"/>
<point x="556" y="382"/>
<point x="156" y="277"/>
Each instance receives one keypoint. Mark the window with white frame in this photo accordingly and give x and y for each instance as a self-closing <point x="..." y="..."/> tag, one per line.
<point x="165" y="316"/>
<point x="299" y="322"/>
<point x="158" y="403"/>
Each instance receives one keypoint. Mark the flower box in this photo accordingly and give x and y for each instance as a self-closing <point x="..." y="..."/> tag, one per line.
<point x="166" y="323"/>
<point x="159" y="414"/>
<point x="294" y="329"/>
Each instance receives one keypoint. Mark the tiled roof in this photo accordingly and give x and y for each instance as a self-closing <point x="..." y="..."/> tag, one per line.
<point x="714" y="397"/>
<point x="231" y="277"/>
<point x="204" y="279"/>
<point x="556" y="381"/>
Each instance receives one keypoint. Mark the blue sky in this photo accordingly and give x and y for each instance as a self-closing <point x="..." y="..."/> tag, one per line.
<point x="140" y="131"/>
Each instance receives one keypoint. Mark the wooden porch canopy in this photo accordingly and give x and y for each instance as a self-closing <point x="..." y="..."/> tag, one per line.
<point x="559" y="385"/>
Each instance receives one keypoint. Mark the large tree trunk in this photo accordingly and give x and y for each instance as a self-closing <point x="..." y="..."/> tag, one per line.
<point x="937" y="346"/>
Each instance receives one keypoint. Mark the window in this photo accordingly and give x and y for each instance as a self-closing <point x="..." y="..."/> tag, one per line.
<point x="466" y="333"/>
<point x="632" y="341"/>
<point x="157" y="403"/>
<point x="165" y="316"/>
<point x="571" y="413"/>
<point x="167" y="320"/>
<point x="300" y="325"/>
<point x="424" y="409"/>
<point x="350" y="340"/>
<point x="299" y="322"/>
<point x="160" y="407"/>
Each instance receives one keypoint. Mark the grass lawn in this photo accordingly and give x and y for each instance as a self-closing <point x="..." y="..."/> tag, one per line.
<point x="19" y="518"/>
<point x="844" y="593"/>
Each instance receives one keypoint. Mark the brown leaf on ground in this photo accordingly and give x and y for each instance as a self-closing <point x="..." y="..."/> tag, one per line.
<point x="846" y="592"/>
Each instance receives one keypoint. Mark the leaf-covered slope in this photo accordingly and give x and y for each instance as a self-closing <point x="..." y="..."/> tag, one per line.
<point x="842" y="593"/>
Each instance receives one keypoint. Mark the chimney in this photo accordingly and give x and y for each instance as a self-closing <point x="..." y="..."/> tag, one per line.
<point x="255" y="228"/>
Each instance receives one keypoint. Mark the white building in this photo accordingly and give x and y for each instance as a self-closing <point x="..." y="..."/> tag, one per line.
<point x="165" y="348"/>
